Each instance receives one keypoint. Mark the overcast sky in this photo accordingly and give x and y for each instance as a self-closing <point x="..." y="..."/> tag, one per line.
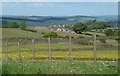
<point x="59" y="8"/>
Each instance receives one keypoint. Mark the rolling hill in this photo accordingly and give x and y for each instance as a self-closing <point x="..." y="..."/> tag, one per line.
<point x="9" y="32"/>
<point x="40" y="21"/>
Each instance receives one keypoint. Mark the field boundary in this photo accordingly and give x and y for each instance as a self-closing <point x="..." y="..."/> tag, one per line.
<point x="50" y="50"/>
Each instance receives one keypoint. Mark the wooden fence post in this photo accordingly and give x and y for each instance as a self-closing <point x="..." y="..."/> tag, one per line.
<point x="50" y="52"/>
<point x="33" y="49"/>
<point x="19" y="52"/>
<point x="94" y="46"/>
<point x="70" y="49"/>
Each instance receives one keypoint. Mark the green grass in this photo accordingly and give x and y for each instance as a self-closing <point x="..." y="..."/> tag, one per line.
<point x="65" y="54"/>
<point x="43" y="46"/>
<point x="76" y="54"/>
<point x="59" y="68"/>
<point x="9" y="32"/>
<point x="13" y="32"/>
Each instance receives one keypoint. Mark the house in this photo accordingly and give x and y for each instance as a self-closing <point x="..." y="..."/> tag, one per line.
<point x="59" y="29"/>
<point x="38" y="28"/>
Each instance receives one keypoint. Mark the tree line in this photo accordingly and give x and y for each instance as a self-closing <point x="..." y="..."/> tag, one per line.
<point x="94" y="25"/>
<point x="15" y="25"/>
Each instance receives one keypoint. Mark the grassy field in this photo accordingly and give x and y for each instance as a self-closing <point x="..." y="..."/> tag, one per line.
<point x="44" y="46"/>
<point x="76" y="54"/>
<point x="82" y="53"/>
<point x="11" y="32"/>
<point x="8" y="32"/>
<point x="42" y="66"/>
<point x="14" y="67"/>
<point x="65" y="54"/>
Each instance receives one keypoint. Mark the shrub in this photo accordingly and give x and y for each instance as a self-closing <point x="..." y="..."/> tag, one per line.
<point x="117" y="39"/>
<point x="50" y="35"/>
<point x="42" y="32"/>
<point x="80" y="36"/>
<point x="66" y="36"/>
<point x="12" y="25"/>
<point x="109" y="32"/>
<point x="103" y="40"/>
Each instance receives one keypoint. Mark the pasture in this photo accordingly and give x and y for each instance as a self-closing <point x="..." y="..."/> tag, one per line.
<point x="59" y="67"/>
<point x="59" y="56"/>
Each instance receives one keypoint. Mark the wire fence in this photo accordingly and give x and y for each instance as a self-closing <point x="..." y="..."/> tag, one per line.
<point x="83" y="49"/>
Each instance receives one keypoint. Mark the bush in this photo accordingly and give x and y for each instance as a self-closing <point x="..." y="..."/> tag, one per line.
<point x="66" y="36"/>
<point x="12" y="25"/>
<point x="42" y="32"/>
<point x="50" y="35"/>
<point x="80" y="36"/>
<point x="117" y="39"/>
<point x="103" y="40"/>
<point x="109" y="32"/>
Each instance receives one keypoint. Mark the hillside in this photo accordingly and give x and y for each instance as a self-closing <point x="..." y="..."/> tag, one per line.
<point x="47" y="20"/>
<point x="8" y="32"/>
<point x="111" y="18"/>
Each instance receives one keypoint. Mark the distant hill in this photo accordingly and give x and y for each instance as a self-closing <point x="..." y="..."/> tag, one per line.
<point x="111" y="18"/>
<point x="32" y="21"/>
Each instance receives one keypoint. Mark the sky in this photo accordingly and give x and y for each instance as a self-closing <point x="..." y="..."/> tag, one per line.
<point x="59" y="8"/>
<point x="60" y="0"/>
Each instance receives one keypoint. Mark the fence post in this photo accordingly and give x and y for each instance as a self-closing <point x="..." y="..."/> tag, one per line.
<point x="19" y="52"/>
<point x="70" y="49"/>
<point x="94" y="46"/>
<point x="33" y="49"/>
<point x="50" y="52"/>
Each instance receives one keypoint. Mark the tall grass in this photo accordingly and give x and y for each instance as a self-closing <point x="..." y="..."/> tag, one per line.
<point x="59" y="68"/>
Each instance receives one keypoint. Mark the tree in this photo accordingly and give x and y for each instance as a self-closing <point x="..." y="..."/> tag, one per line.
<point x="50" y="35"/>
<point x="109" y="32"/>
<point x="79" y="27"/>
<point x="100" y="25"/>
<point x="22" y="25"/>
<point x="117" y="33"/>
<point x="12" y="25"/>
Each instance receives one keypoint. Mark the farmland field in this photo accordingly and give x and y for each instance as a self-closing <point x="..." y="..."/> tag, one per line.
<point x="21" y="59"/>
<point x="80" y="52"/>
<point x="11" y="32"/>
<point x="70" y="38"/>
<point x="6" y="33"/>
